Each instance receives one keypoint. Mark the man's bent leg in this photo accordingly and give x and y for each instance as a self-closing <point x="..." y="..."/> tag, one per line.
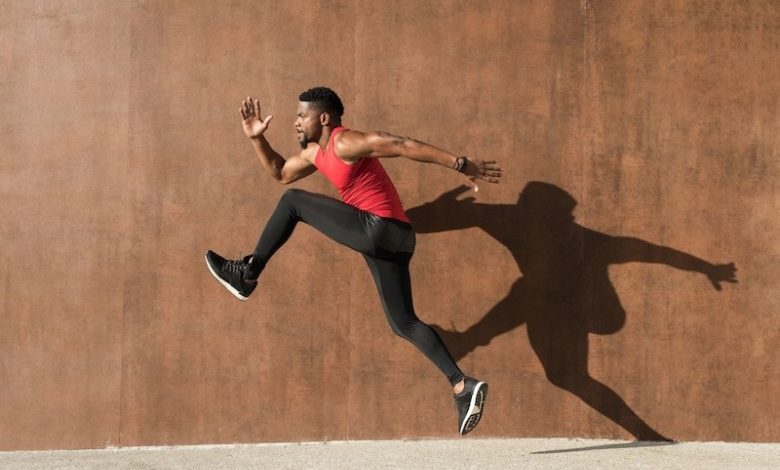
<point x="335" y="219"/>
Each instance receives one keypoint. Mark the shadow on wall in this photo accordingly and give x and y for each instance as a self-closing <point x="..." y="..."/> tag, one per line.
<point x="564" y="293"/>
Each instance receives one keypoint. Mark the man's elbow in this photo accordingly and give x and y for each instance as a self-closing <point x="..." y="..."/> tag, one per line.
<point x="408" y="147"/>
<point x="286" y="179"/>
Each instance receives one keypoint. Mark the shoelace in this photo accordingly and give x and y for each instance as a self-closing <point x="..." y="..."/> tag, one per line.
<point x="234" y="266"/>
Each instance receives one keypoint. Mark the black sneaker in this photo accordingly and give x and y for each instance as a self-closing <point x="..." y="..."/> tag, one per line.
<point x="470" y="404"/>
<point x="230" y="273"/>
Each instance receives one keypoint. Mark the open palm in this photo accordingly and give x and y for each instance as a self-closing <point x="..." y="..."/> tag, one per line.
<point x="254" y="126"/>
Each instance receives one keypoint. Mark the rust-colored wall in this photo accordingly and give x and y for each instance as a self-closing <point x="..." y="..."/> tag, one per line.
<point x="123" y="160"/>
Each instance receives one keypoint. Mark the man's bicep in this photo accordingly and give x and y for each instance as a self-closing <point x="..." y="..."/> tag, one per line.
<point x="384" y="144"/>
<point x="376" y="144"/>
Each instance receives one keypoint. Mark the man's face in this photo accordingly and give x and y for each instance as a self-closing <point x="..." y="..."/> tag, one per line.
<point x="307" y="124"/>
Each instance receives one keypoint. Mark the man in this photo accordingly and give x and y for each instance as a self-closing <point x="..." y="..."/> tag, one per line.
<point x="370" y="219"/>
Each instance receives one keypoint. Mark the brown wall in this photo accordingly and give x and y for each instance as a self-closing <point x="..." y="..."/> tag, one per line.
<point x="123" y="161"/>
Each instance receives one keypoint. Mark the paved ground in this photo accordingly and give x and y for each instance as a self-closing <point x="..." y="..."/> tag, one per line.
<point x="427" y="454"/>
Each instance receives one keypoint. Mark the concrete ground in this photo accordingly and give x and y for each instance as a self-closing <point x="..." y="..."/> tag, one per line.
<point x="425" y="454"/>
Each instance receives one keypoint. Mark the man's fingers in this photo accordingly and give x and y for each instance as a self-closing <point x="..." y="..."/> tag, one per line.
<point x="491" y="175"/>
<point x="268" y="119"/>
<point x="487" y="166"/>
<point x="487" y="170"/>
<point x="490" y="179"/>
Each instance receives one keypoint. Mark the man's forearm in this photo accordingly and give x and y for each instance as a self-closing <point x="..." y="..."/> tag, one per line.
<point x="269" y="158"/>
<point x="427" y="153"/>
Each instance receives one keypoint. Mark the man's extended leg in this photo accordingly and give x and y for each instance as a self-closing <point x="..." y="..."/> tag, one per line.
<point x="395" y="291"/>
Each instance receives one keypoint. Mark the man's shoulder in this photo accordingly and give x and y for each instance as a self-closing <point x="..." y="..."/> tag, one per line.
<point x="345" y="132"/>
<point x="358" y="137"/>
<point x="349" y="142"/>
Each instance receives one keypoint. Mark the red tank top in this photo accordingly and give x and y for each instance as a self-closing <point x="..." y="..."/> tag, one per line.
<point x="363" y="184"/>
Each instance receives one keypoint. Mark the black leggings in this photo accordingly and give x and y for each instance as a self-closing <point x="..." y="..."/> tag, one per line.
<point x="387" y="246"/>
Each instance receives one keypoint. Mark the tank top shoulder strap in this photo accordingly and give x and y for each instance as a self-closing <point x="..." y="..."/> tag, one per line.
<point x="328" y="152"/>
<point x="338" y="130"/>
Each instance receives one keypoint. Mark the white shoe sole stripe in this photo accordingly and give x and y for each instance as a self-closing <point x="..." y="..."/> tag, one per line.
<point x="472" y="405"/>
<point x="226" y="284"/>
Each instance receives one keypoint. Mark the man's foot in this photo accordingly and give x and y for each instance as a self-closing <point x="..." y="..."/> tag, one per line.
<point x="230" y="273"/>
<point x="470" y="404"/>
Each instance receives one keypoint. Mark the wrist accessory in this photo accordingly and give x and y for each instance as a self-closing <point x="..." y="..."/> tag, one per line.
<point x="461" y="163"/>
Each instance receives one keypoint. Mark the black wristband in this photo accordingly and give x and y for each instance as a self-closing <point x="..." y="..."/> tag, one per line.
<point x="461" y="163"/>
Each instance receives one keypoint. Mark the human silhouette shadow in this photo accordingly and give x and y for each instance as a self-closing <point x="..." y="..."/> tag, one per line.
<point x="564" y="292"/>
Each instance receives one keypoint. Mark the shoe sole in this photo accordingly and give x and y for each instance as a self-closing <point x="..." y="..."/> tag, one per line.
<point x="476" y="408"/>
<point x="227" y="285"/>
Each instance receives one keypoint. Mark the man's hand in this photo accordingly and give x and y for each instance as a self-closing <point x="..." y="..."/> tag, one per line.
<point x="487" y="170"/>
<point x="254" y="126"/>
<point x="718" y="273"/>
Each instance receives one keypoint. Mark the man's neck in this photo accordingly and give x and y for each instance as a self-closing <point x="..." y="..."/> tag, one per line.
<point x="325" y="137"/>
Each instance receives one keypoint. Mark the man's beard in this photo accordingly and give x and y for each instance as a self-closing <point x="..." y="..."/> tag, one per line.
<point x="304" y="141"/>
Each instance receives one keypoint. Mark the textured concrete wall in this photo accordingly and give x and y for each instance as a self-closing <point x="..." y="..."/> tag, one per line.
<point x="655" y="124"/>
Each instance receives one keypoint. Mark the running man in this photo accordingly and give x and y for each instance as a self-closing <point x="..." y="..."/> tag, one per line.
<point x="370" y="220"/>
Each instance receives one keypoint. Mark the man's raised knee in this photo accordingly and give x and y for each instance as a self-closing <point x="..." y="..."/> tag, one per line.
<point x="293" y="193"/>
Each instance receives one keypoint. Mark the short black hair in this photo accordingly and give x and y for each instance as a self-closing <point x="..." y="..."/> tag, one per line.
<point x="325" y="99"/>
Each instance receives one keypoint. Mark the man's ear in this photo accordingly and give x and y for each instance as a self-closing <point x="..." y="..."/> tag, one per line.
<point x="325" y="119"/>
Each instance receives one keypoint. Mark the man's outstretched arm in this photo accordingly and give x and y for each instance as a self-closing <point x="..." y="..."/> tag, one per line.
<point x="354" y="145"/>
<point x="283" y="170"/>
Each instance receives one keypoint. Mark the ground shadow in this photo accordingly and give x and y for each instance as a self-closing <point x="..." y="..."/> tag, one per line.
<point x="622" y="445"/>
<point x="564" y="292"/>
